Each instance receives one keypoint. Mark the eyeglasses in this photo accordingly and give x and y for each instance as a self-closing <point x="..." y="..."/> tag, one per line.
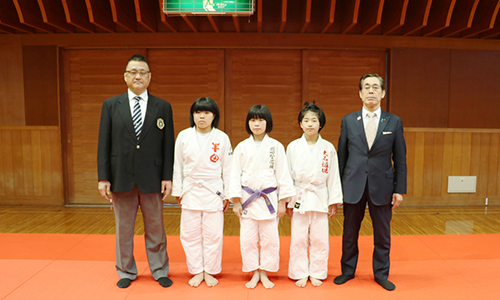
<point x="135" y="72"/>
<point x="375" y="87"/>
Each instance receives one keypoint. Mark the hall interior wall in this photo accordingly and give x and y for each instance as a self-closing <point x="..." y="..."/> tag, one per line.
<point x="436" y="86"/>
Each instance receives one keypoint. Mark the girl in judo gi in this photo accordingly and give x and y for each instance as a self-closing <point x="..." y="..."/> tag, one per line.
<point x="259" y="189"/>
<point x="314" y="168"/>
<point x="202" y="166"/>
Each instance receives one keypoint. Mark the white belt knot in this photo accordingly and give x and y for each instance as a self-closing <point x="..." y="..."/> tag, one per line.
<point x="309" y="187"/>
<point x="200" y="183"/>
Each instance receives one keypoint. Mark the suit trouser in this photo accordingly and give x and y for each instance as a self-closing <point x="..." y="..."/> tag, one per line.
<point x="126" y="206"/>
<point x="381" y="220"/>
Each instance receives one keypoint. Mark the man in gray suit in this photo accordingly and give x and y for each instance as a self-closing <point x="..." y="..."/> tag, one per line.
<point x="372" y="163"/>
<point x="135" y="161"/>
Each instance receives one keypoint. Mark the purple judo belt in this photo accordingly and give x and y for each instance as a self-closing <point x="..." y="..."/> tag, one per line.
<point x="257" y="194"/>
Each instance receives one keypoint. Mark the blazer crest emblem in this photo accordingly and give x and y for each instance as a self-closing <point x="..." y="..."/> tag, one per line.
<point x="160" y="123"/>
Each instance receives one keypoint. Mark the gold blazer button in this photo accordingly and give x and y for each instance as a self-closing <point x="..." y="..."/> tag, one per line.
<point x="138" y="146"/>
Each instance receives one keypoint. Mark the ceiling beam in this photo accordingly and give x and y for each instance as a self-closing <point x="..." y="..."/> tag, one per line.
<point x="10" y="19"/>
<point x="191" y="25"/>
<point x="236" y="23"/>
<point x="331" y="17"/>
<point x="484" y="19"/>
<point x="53" y="14"/>
<point x="6" y="29"/>
<point x="462" y="18"/>
<point x="123" y="12"/>
<point x="439" y="17"/>
<point x="100" y="14"/>
<point x="350" y="10"/>
<point x="491" y="33"/>
<point x="76" y="14"/>
<point x="308" y="16"/>
<point x="283" y="15"/>
<point x="29" y="14"/>
<point x="418" y="17"/>
<point x="163" y="18"/>
<point x="394" y="15"/>
<point x="146" y="14"/>
<point x="212" y="21"/>
<point x="370" y="15"/>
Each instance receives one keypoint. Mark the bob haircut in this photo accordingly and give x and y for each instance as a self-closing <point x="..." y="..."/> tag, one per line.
<point x="362" y="79"/>
<point x="259" y="112"/>
<point x="312" y="107"/>
<point x="205" y="104"/>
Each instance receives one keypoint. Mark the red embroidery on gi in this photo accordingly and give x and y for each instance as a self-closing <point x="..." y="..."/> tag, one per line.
<point x="324" y="163"/>
<point x="215" y="158"/>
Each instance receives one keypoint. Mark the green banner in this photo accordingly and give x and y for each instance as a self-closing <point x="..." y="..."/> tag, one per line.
<point x="208" y="7"/>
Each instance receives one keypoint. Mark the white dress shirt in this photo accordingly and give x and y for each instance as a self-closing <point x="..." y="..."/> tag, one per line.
<point x="143" y="103"/>
<point x="376" y="118"/>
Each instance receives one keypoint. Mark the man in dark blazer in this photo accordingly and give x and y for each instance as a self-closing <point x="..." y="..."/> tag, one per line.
<point x="134" y="162"/>
<point x="372" y="163"/>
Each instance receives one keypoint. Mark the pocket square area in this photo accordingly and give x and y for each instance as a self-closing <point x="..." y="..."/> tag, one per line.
<point x="387" y="132"/>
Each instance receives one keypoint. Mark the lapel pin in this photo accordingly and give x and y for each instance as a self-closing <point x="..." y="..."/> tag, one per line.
<point x="359" y="118"/>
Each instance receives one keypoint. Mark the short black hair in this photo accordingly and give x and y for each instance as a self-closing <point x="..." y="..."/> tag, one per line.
<point x="260" y="111"/>
<point x="312" y="107"/>
<point x="382" y="83"/>
<point x="205" y="104"/>
<point x="138" y="57"/>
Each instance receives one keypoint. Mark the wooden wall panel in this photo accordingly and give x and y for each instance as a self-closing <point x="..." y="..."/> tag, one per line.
<point x="445" y="88"/>
<point x="41" y="86"/>
<point x="181" y="76"/>
<point x="331" y="78"/>
<point x="474" y="90"/>
<point x="420" y="86"/>
<point x="11" y="86"/>
<point x="269" y="77"/>
<point x="435" y="154"/>
<point x="31" y="166"/>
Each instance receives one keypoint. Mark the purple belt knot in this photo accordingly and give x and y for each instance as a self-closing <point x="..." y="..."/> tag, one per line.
<point x="257" y="194"/>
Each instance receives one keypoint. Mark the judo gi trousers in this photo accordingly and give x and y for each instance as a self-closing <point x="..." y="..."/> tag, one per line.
<point x="309" y="232"/>
<point x="264" y="233"/>
<point x="201" y="237"/>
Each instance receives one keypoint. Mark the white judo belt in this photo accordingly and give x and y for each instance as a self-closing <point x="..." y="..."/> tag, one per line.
<point x="200" y="183"/>
<point x="309" y="187"/>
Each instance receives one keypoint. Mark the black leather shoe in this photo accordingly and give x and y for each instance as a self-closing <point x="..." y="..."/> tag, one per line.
<point x="123" y="283"/>
<point x="165" y="282"/>
<point x="386" y="284"/>
<point x="341" y="279"/>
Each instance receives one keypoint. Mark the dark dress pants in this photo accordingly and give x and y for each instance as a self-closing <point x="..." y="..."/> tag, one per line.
<point x="381" y="220"/>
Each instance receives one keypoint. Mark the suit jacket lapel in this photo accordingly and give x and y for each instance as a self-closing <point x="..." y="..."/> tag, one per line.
<point x="151" y="112"/>
<point x="124" y="111"/>
<point x="360" y="127"/>
<point x="384" y="119"/>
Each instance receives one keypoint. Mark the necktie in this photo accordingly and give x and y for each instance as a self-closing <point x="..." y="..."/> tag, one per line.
<point x="370" y="130"/>
<point x="137" y="117"/>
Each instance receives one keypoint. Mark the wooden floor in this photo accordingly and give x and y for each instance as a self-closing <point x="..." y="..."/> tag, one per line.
<point x="100" y="220"/>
